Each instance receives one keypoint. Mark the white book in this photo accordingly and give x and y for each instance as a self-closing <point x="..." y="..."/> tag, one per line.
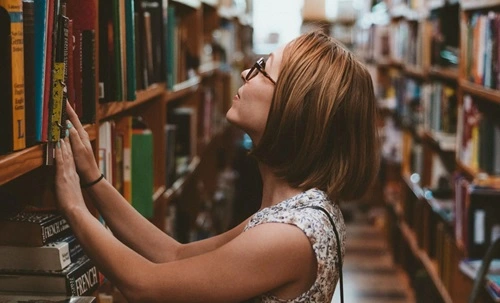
<point x="52" y="256"/>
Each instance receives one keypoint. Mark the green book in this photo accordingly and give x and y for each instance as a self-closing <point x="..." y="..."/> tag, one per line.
<point x="142" y="171"/>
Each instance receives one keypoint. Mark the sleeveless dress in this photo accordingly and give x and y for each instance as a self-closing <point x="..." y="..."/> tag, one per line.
<point x="316" y="226"/>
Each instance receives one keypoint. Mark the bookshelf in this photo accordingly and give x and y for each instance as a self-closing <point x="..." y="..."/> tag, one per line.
<point x="433" y="93"/>
<point x="188" y="55"/>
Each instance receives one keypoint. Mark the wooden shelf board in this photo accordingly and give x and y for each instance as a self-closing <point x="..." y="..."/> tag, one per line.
<point x="480" y="91"/>
<point x="183" y="89"/>
<point x="478" y="4"/>
<point x="158" y="193"/>
<point x="21" y="162"/>
<point x="490" y="181"/>
<point x="212" y="3"/>
<point x="178" y="185"/>
<point x="384" y="62"/>
<point x="435" y="4"/>
<point x="438" y="143"/>
<point x="415" y="188"/>
<point x="429" y="265"/>
<point x="207" y="69"/>
<point x="446" y="73"/>
<point x="107" y="110"/>
<point x="466" y="169"/>
<point x="415" y="71"/>
<point x="189" y="3"/>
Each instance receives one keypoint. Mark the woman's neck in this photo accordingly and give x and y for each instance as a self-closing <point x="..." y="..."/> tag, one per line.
<point x="274" y="189"/>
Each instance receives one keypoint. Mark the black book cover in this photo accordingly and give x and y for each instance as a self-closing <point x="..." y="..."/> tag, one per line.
<point x="33" y="228"/>
<point x="80" y="278"/>
<point x="155" y="10"/>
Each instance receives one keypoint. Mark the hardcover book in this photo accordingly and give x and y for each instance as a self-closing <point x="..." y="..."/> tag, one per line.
<point x="41" y="26"/>
<point x="80" y="278"/>
<point x="12" y="115"/>
<point x="142" y="171"/>
<point x="52" y="256"/>
<point x="33" y="228"/>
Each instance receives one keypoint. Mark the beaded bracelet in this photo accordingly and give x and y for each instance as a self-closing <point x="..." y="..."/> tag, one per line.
<point x="93" y="182"/>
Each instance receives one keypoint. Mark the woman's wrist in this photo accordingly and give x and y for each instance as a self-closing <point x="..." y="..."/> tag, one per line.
<point x="91" y="182"/>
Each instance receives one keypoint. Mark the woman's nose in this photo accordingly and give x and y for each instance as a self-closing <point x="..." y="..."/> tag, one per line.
<point x="243" y="75"/>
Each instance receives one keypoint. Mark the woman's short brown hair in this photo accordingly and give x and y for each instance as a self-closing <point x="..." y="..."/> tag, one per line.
<point x="321" y="130"/>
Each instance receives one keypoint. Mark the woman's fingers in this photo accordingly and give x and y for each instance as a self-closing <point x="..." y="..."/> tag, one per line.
<point x="74" y="136"/>
<point x="59" y="156"/>
<point x="73" y="117"/>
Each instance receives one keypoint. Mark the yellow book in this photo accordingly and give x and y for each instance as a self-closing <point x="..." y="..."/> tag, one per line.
<point x="474" y="164"/>
<point x="15" y="11"/>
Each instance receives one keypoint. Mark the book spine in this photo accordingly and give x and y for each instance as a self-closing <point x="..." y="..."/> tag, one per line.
<point x="117" y="55"/>
<point x="29" y="70"/>
<point x="130" y="42"/>
<point x="55" y="229"/>
<point x="53" y="256"/>
<point x="75" y="249"/>
<point x="88" y="77"/>
<point x="15" y="10"/>
<point x="142" y="165"/>
<point x="5" y="80"/>
<point x="47" y="87"/>
<point x="65" y="57"/>
<point x="84" y="280"/>
<point x="71" y="65"/>
<point x="78" y="71"/>
<point x="58" y="83"/>
<point x="41" y="8"/>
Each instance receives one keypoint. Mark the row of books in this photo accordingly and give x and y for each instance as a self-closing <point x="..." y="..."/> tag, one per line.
<point x="137" y="40"/>
<point x="125" y="158"/>
<point x="406" y="41"/>
<point x="428" y="106"/>
<point x="483" y="50"/>
<point x="479" y="140"/>
<point x="46" y="58"/>
<point x="141" y="43"/>
<point x="42" y="257"/>
<point x="411" y="41"/>
<point x="126" y="154"/>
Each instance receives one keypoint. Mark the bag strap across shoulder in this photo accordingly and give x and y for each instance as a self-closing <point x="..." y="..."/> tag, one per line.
<point x="339" y="250"/>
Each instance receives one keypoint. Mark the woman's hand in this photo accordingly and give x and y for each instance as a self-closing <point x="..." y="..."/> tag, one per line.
<point x="67" y="181"/>
<point x="83" y="154"/>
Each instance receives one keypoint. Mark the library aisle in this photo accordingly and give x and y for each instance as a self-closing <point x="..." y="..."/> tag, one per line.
<point x="370" y="275"/>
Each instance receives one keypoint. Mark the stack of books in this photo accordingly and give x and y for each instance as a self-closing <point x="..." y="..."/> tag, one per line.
<point x="40" y="256"/>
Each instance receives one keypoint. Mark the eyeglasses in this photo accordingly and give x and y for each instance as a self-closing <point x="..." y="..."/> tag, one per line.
<point x="259" y="66"/>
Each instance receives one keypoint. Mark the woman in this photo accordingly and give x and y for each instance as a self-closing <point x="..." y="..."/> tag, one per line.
<point x="310" y="111"/>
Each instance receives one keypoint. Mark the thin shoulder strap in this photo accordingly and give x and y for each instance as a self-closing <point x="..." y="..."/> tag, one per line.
<point x="339" y="250"/>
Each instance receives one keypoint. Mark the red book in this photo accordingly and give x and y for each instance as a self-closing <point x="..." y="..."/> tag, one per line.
<point x="84" y="16"/>
<point x="48" y="71"/>
<point x="71" y="84"/>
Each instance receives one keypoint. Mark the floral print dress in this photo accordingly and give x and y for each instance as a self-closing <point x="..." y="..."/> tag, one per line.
<point x="317" y="227"/>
